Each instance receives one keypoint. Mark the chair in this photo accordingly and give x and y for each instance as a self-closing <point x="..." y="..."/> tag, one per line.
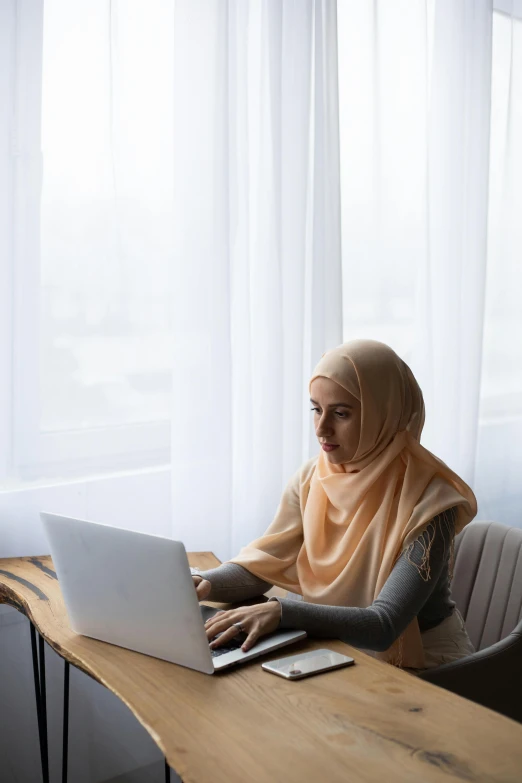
<point x="487" y="588"/>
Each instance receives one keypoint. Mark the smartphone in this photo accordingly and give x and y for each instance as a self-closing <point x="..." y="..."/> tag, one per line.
<point x="295" y="667"/>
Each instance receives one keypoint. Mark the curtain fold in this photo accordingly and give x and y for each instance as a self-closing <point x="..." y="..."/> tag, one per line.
<point x="21" y="33"/>
<point x="499" y="450"/>
<point x="415" y="94"/>
<point x="448" y="351"/>
<point x="257" y="269"/>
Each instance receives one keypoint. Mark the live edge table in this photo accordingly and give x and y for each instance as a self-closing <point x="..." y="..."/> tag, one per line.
<point x="367" y="722"/>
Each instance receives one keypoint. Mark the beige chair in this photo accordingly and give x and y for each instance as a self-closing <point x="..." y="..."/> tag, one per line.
<point x="487" y="588"/>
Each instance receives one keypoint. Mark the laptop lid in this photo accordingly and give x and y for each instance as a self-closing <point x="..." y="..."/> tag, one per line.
<point x="128" y="588"/>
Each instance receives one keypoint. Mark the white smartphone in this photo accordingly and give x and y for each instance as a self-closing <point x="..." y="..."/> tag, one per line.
<point x="295" y="667"/>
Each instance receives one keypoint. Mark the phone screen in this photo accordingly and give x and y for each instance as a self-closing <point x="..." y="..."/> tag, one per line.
<point x="297" y="666"/>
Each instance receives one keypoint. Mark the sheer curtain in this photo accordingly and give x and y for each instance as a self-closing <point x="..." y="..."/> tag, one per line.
<point x="430" y="100"/>
<point x="499" y="454"/>
<point x="106" y="241"/>
<point x="257" y="294"/>
<point x="86" y="250"/>
<point x="193" y="203"/>
<point x="431" y="179"/>
<point x="415" y="98"/>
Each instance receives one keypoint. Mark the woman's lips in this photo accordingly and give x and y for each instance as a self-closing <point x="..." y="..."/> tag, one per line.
<point x="329" y="446"/>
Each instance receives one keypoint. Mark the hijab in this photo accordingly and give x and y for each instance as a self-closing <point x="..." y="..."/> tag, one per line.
<point x="340" y="529"/>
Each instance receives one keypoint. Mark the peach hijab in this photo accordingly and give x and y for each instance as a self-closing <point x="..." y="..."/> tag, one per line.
<point x="340" y="529"/>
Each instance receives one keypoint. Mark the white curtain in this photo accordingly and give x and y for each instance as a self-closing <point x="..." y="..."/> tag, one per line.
<point x="20" y="185"/>
<point x="415" y="96"/>
<point x="499" y="453"/>
<point x="197" y="182"/>
<point x="431" y="179"/>
<point x="430" y="190"/>
<point x="86" y="249"/>
<point x="106" y="251"/>
<point x="258" y="270"/>
<point x="420" y="270"/>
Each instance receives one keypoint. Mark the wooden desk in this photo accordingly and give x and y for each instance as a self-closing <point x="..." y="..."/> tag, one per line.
<point x="369" y="722"/>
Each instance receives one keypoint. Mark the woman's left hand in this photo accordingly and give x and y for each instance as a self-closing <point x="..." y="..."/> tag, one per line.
<point x="256" y="621"/>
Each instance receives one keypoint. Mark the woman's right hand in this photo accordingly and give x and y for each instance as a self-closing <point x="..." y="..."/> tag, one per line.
<point x="203" y="587"/>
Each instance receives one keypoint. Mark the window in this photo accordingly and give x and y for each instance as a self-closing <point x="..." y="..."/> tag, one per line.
<point x="96" y="392"/>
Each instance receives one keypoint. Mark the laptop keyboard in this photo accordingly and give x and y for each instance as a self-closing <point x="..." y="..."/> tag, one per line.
<point x="206" y="612"/>
<point x="226" y="648"/>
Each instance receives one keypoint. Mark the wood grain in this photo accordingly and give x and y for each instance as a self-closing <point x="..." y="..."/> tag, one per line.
<point x="369" y="722"/>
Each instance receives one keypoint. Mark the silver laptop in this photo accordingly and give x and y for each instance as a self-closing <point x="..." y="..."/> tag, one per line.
<point x="136" y="590"/>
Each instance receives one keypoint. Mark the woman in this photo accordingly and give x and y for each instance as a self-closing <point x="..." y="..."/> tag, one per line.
<point x="364" y="532"/>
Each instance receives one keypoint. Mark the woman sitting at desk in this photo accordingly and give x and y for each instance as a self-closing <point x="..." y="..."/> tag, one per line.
<point x="364" y="532"/>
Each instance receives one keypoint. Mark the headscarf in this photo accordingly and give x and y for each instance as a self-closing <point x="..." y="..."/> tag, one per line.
<point x="340" y="529"/>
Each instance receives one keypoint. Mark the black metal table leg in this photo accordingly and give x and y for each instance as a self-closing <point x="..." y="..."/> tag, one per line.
<point x="43" y="701"/>
<point x="65" y="745"/>
<point x="41" y="709"/>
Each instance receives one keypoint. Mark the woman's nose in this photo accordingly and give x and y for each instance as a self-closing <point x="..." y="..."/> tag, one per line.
<point x="324" y="428"/>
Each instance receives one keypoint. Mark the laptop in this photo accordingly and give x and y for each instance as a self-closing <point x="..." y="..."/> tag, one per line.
<point x="135" y="590"/>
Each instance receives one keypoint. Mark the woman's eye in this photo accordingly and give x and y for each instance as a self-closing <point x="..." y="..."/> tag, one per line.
<point x="340" y="414"/>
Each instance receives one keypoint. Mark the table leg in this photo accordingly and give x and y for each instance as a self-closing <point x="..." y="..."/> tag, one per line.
<point x="41" y="708"/>
<point x="43" y="700"/>
<point x="65" y="745"/>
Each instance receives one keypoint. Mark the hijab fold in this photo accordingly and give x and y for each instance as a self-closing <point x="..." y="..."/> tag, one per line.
<point x="340" y="529"/>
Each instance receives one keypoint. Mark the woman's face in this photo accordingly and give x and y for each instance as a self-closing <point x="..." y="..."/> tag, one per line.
<point x="337" y="419"/>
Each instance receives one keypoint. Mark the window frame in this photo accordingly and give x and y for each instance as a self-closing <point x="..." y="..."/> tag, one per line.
<point x="508" y="7"/>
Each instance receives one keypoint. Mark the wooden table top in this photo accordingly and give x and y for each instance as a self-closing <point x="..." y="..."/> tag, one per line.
<point x="367" y="722"/>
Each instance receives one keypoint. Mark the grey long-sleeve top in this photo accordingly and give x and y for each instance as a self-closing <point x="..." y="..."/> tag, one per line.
<point x="406" y="594"/>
